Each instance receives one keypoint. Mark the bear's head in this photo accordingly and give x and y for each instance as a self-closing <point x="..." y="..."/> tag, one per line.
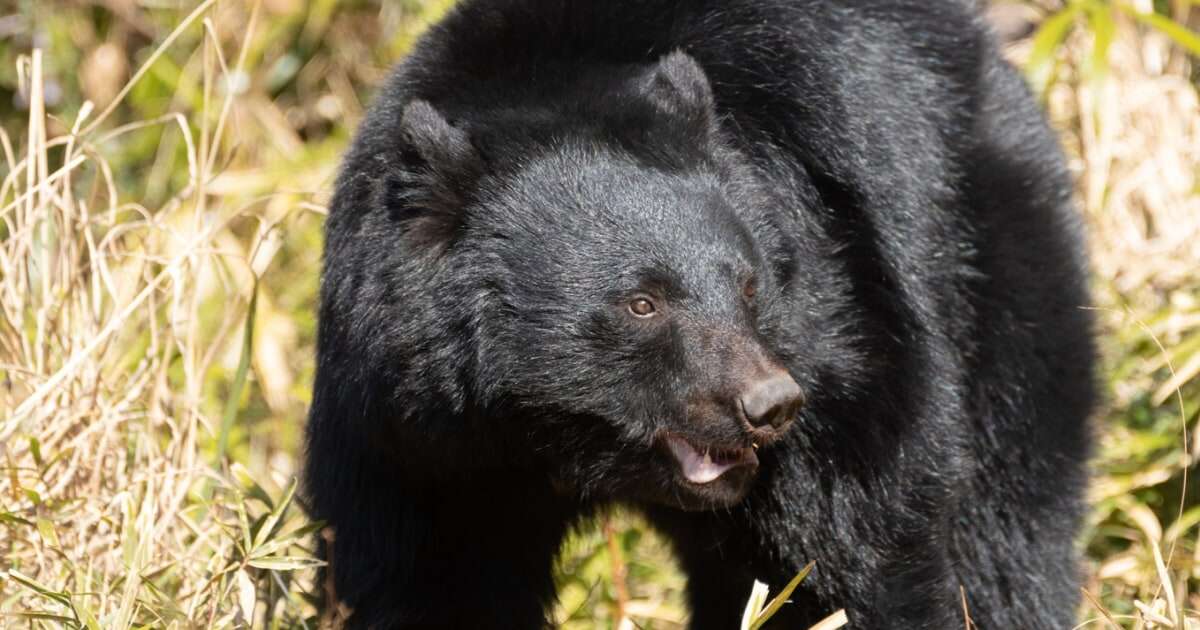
<point x="620" y="297"/>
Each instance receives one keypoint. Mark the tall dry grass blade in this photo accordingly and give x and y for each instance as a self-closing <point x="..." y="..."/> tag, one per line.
<point x="1099" y="607"/>
<point x="200" y="10"/>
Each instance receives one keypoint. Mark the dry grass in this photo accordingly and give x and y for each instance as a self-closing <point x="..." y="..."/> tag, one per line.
<point x="158" y="255"/>
<point x="1133" y="132"/>
<point x="114" y="315"/>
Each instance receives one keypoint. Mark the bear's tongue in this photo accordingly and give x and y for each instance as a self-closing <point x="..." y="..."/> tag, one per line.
<point x="701" y="468"/>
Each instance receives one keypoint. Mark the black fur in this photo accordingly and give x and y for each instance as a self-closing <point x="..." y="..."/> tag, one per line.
<point x="870" y="170"/>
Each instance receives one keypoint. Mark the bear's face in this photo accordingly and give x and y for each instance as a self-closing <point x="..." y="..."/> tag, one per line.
<point x="625" y="315"/>
<point x="630" y="280"/>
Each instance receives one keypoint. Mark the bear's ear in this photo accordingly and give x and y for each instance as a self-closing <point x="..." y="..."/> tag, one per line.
<point x="678" y="86"/>
<point x="439" y="169"/>
<point x="440" y="145"/>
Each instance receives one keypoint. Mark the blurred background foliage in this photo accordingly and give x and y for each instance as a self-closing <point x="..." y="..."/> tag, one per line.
<point x="209" y="135"/>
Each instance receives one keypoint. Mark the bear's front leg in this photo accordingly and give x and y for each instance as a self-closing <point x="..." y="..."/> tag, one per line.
<point x="474" y="553"/>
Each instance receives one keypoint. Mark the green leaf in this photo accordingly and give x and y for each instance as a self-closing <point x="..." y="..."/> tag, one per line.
<point x="271" y="547"/>
<point x="1182" y="525"/>
<point x="1046" y="41"/>
<point x="239" y="378"/>
<point x="782" y="597"/>
<point x="9" y="517"/>
<point x="270" y="525"/>
<point x="43" y="616"/>
<point x="1183" y="36"/>
<point x="88" y="618"/>
<point x="306" y="529"/>
<point x="35" y="449"/>
<point x="39" y="588"/>
<point x="251" y="487"/>
<point x="285" y="563"/>
<point x="1104" y="30"/>
<point x="46" y="529"/>
<point x="244" y="525"/>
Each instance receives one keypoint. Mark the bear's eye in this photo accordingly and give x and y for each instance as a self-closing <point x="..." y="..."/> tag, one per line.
<point x="642" y="307"/>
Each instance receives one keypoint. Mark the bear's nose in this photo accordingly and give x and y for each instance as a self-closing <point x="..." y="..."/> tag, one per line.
<point x="773" y="399"/>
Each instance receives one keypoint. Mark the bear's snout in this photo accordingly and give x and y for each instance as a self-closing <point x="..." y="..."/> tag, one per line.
<point x="771" y="400"/>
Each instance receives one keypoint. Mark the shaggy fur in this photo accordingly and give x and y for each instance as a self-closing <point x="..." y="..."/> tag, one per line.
<point x="860" y="192"/>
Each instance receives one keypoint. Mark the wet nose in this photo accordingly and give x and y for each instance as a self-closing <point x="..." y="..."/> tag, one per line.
<point x="773" y="399"/>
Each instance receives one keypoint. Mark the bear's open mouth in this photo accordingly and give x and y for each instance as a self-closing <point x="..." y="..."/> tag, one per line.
<point x="705" y="465"/>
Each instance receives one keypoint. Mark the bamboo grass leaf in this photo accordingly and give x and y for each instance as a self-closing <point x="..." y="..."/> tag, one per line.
<point x="239" y="379"/>
<point x="782" y="597"/>
<point x="285" y="563"/>
<point x="272" y="522"/>
<point x="1186" y="38"/>
<point x="1104" y="30"/>
<point x="1046" y="42"/>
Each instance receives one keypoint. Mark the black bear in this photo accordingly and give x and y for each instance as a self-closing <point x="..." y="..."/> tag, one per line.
<point x="798" y="279"/>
